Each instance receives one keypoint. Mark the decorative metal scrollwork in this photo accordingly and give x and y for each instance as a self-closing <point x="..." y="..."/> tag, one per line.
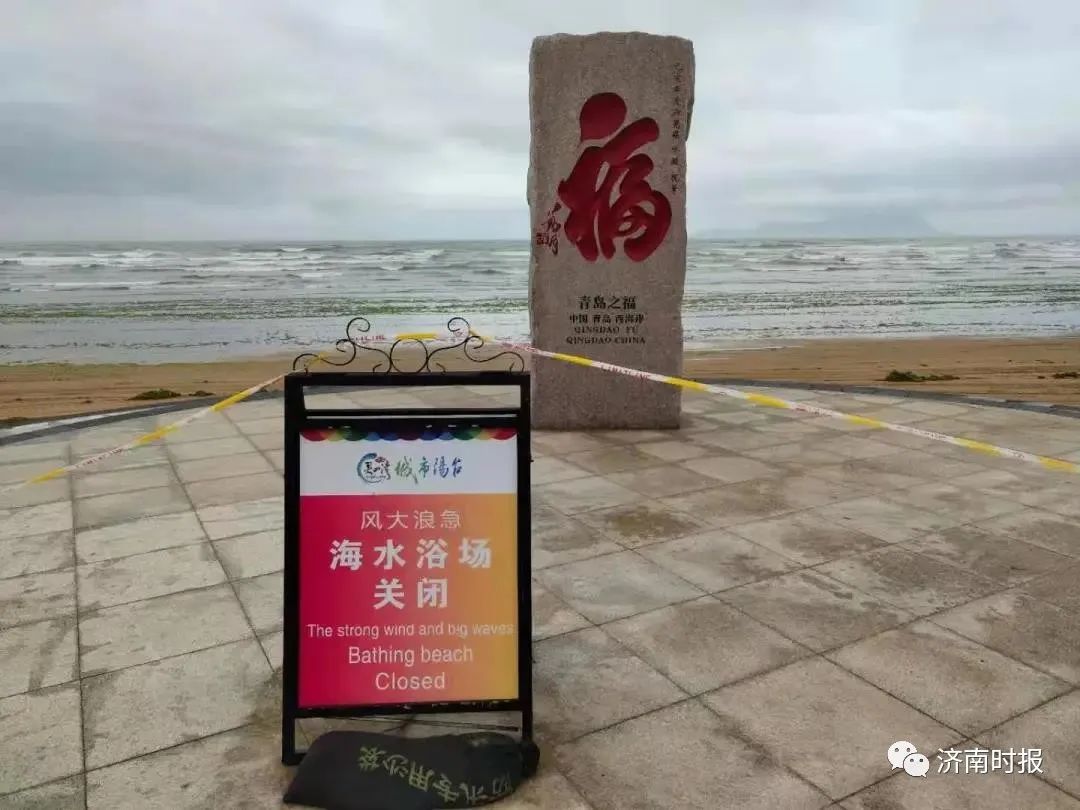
<point x="356" y="340"/>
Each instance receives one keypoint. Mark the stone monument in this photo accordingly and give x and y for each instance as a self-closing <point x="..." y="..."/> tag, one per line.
<point x="610" y="113"/>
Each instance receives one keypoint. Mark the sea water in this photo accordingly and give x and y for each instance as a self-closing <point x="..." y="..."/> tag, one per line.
<point x="123" y="302"/>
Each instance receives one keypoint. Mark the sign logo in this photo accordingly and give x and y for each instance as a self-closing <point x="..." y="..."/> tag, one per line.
<point x="373" y="468"/>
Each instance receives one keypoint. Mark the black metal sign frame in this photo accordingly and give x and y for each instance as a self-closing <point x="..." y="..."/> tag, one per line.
<point x="299" y="417"/>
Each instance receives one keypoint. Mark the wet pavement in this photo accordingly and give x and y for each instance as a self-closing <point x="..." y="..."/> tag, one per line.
<point x="746" y="612"/>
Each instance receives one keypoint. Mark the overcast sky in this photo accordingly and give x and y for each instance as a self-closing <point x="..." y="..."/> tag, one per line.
<point x="324" y="119"/>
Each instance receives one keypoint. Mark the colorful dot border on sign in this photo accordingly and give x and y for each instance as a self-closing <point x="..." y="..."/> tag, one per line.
<point x="357" y="434"/>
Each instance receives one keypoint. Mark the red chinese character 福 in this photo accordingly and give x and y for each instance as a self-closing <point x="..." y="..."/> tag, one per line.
<point x="614" y="204"/>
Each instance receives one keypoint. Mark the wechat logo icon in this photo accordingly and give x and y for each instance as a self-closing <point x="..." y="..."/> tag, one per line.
<point x="903" y="754"/>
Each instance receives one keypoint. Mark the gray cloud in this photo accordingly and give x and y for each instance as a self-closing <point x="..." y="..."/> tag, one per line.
<point x="409" y="119"/>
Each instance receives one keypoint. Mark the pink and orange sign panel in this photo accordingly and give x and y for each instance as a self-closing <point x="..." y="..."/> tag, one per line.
<point x="408" y="567"/>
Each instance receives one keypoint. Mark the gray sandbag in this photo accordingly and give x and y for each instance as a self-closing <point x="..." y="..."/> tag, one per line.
<point x="355" y="770"/>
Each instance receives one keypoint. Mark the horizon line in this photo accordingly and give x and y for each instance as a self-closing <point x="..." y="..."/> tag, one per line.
<point x="528" y="241"/>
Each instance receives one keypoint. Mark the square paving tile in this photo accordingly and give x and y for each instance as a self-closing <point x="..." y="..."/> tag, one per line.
<point x="615" y="585"/>
<point x="1051" y="727"/>
<point x="36" y="494"/>
<point x="206" y="469"/>
<point x="45" y="518"/>
<point x="926" y="466"/>
<point x="65" y="794"/>
<point x="935" y="408"/>
<point x="1060" y="499"/>
<point x="886" y="520"/>
<point x="616" y="458"/>
<point x="146" y="456"/>
<point x="130" y="579"/>
<point x="557" y="539"/>
<point x="582" y="494"/>
<point x="815" y="610"/>
<point x="268" y="424"/>
<point x="635" y="436"/>
<point x="744" y="415"/>
<point x="1006" y="483"/>
<point x="991" y="791"/>
<point x="34" y="553"/>
<point x="210" y="448"/>
<point x="704" y="644"/>
<point x="236" y="489"/>
<point x="858" y="446"/>
<point x="755" y="500"/>
<point x="37" y="655"/>
<point x="242" y="518"/>
<point x="105" y="510"/>
<point x="561" y="443"/>
<point x="191" y="775"/>
<point x="40" y="737"/>
<point x="551" y="616"/>
<point x="251" y="555"/>
<point x="164" y="703"/>
<point x="738" y="440"/>
<point x="717" y="560"/>
<point x="547" y="790"/>
<point x="35" y="597"/>
<point x="682" y="757"/>
<point x="257" y="409"/>
<point x="1039" y="634"/>
<point x="267" y="441"/>
<point x="993" y="556"/>
<point x="1058" y="587"/>
<point x="262" y="600"/>
<point x="549" y="469"/>
<point x="138" y="537"/>
<point x="1039" y="528"/>
<point x="216" y="426"/>
<point x="790" y="428"/>
<point x="105" y="437"/>
<point x="139" y="632"/>
<point x="789" y="712"/>
<point x="641" y="523"/>
<point x="273" y="645"/>
<point x="962" y="684"/>
<point x="668" y="479"/>
<point x="912" y="582"/>
<point x="807" y="537"/>
<point x="17" y="472"/>
<point x="805" y="453"/>
<point x="731" y="469"/>
<point x="673" y="449"/>
<point x="110" y="483"/>
<point x="33" y="451"/>
<point x="586" y="681"/>
<point x="276" y="459"/>
<point x="965" y="504"/>
<point x="861" y="476"/>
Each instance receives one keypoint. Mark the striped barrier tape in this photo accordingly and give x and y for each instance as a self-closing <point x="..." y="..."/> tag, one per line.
<point x="1046" y="462"/>
<point x="149" y="437"/>
<point x="219" y="406"/>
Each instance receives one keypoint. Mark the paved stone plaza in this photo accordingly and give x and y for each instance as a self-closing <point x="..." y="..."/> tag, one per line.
<point x="745" y="613"/>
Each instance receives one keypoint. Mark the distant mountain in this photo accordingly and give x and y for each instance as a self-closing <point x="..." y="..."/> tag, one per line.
<point x="864" y="225"/>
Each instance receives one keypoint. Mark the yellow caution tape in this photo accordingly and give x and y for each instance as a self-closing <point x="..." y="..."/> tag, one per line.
<point x="152" y="436"/>
<point x="1047" y="462"/>
<point x="167" y="429"/>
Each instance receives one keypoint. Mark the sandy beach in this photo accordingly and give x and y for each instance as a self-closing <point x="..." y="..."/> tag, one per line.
<point x="1016" y="368"/>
